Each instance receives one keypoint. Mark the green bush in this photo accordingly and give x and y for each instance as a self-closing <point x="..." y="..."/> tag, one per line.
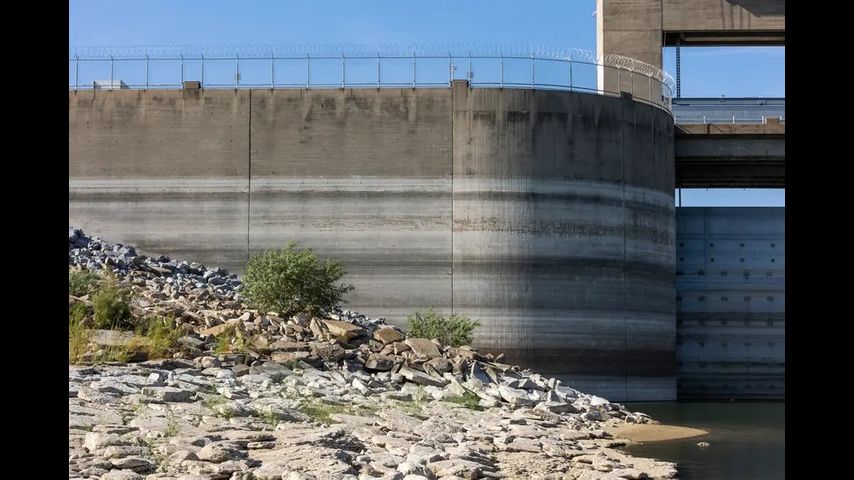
<point x="111" y="306"/>
<point x="81" y="282"/>
<point x="78" y="337"/>
<point x="291" y="280"/>
<point x="157" y="336"/>
<point x="455" y="330"/>
<point x="77" y="313"/>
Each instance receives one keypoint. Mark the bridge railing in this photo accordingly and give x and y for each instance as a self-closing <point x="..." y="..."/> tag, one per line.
<point x="363" y="66"/>
<point x="733" y="119"/>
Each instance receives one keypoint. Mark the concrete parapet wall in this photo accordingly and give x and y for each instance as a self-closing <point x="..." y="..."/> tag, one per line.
<point x="548" y="216"/>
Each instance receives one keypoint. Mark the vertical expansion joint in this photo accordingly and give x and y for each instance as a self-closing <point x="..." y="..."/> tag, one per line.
<point x="249" y="177"/>
<point x="453" y="103"/>
<point x="626" y="100"/>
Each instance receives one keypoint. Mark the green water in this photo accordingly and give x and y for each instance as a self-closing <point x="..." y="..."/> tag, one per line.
<point x="747" y="440"/>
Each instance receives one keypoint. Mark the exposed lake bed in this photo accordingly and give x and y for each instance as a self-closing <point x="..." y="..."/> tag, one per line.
<point x="746" y="439"/>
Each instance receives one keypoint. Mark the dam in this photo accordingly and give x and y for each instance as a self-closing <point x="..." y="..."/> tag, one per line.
<point x="543" y="209"/>
<point x="546" y="215"/>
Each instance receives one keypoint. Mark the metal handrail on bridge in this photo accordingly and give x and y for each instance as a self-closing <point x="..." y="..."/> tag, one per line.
<point x="732" y="120"/>
<point x="366" y="66"/>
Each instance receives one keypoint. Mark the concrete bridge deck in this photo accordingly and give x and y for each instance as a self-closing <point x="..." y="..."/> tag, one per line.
<point x="734" y="155"/>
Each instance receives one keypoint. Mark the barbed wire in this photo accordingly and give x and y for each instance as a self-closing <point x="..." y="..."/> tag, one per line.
<point x="370" y="51"/>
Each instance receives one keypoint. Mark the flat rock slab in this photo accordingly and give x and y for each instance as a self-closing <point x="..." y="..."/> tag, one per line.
<point x="343" y="329"/>
<point x="378" y="362"/>
<point x="423" y="347"/>
<point x="218" y="329"/>
<point x="421" y="378"/>
<point x="284" y="357"/>
<point x="168" y="394"/>
<point x="288" y="346"/>
<point x="388" y="335"/>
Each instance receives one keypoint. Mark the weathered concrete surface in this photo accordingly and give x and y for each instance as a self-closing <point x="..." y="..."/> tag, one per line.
<point x="363" y="176"/>
<point x="773" y="127"/>
<point x="639" y="29"/>
<point x="563" y="235"/>
<point x="546" y="215"/>
<point x="724" y="22"/>
<point x="164" y="170"/>
<point x="731" y="269"/>
<point x="742" y="160"/>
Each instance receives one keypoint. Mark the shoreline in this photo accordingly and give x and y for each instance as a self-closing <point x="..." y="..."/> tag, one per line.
<point x="642" y="433"/>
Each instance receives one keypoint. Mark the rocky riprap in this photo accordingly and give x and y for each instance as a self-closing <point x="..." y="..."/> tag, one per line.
<point x="339" y="396"/>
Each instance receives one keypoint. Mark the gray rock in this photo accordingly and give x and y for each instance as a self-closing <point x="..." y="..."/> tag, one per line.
<point x="168" y="394"/>
<point x="440" y="364"/>
<point x="514" y="396"/>
<point x="456" y="466"/>
<point x="423" y="347"/>
<point x="382" y="363"/>
<point x="121" y="475"/>
<point x="218" y="453"/>
<point x="421" y="378"/>
<point x="95" y="441"/>
<point x="137" y="464"/>
<point x="210" y="362"/>
<point x="123" y="451"/>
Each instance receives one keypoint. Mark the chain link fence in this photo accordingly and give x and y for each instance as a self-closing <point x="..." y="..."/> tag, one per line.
<point x="364" y="66"/>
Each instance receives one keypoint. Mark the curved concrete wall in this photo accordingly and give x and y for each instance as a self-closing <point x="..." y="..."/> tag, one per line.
<point x="564" y="235"/>
<point x="548" y="216"/>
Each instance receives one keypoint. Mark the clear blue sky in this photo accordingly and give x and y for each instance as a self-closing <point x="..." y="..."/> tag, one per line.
<point x="705" y="71"/>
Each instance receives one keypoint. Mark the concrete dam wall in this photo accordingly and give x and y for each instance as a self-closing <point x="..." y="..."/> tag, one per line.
<point x="731" y="303"/>
<point x="546" y="215"/>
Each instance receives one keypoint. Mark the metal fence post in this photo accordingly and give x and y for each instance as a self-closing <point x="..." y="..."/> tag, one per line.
<point x="203" y="69"/>
<point x="272" y="70"/>
<point x="450" y="71"/>
<point x="307" y="71"/>
<point x="182" y="70"/>
<point x="570" y="75"/>
<point x="146" y="71"/>
<point x="632" y="82"/>
<point x="470" y="75"/>
<point x="414" y="72"/>
<point x="111" y="71"/>
<point x="379" y="81"/>
<point x="501" y="67"/>
<point x="237" y="73"/>
<point x="343" y="71"/>
<point x="76" y="71"/>
<point x="532" y="70"/>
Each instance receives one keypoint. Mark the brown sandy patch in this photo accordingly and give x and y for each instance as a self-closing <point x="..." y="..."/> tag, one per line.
<point x="653" y="433"/>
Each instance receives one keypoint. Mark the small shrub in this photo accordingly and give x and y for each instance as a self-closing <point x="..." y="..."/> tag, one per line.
<point x="111" y="306"/>
<point x="291" y="280"/>
<point x="419" y="394"/>
<point x="78" y="336"/>
<point x="321" y="412"/>
<point x="118" y="354"/>
<point x="231" y="340"/>
<point x="158" y="337"/>
<point x="455" y="330"/>
<point x="468" y="400"/>
<point x="172" y="427"/>
<point x="82" y="282"/>
<point x="77" y="313"/>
